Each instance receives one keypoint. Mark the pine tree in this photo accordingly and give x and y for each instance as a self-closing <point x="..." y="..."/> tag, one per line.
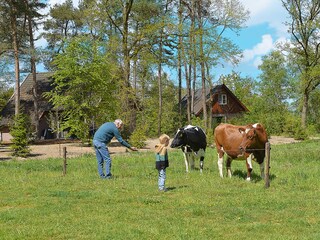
<point x="19" y="132"/>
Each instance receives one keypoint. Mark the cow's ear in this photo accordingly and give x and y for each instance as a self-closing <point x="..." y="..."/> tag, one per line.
<point x="242" y="130"/>
<point x="180" y="134"/>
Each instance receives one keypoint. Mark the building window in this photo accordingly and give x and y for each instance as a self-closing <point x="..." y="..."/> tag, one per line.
<point x="222" y="99"/>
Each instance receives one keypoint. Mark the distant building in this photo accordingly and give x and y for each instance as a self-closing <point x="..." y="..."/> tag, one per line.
<point x="225" y="105"/>
<point x="44" y="82"/>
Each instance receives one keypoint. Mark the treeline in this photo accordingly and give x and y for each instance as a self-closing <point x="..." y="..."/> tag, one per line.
<point x="136" y="59"/>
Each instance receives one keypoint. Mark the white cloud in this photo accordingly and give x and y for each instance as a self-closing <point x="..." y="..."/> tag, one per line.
<point x="260" y="49"/>
<point x="267" y="11"/>
<point x="257" y="62"/>
<point x="269" y="15"/>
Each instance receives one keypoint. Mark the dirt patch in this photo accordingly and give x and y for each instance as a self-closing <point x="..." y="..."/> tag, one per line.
<point x="282" y="140"/>
<point x="55" y="149"/>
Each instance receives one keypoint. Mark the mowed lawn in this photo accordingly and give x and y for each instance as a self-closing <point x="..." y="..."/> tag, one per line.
<point x="38" y="202"/>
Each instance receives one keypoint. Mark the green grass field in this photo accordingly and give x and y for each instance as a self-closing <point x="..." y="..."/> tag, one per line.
<point x="38" y="202"/>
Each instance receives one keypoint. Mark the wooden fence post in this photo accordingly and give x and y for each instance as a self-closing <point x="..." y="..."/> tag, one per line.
<point x="64" y="161"/>
<point x="267" y="165"/>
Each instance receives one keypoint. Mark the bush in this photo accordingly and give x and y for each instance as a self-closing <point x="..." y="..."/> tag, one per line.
<point x="293" y="128"/>
<point x="210" y="137"/>
<point x="196" y="121"/>
<point x="312" y="130"/>
<point x="138" y="137"/>
<point x="20" y="133"/>
<point x="300" y="134"/>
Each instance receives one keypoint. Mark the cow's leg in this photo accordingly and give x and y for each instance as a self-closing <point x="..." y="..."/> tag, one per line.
<point x="229" y="173"/>
<point x="201" y="154"/>
<point x="201" y="164"/>
<point x="249" y="167"/>
<point x="191" y="159"/>
<point x="186" y="161"/>
<point x="220" y="163"/>
<point x="262" y="170"/>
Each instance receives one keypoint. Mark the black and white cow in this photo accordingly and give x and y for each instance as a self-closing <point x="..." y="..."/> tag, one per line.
<point x="193" y="142"/>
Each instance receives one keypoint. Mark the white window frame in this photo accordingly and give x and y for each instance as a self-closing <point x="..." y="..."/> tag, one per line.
<point x="223" y="100"/>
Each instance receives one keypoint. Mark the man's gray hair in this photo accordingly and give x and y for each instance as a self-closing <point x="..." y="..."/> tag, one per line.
<point x="118" y="122"/>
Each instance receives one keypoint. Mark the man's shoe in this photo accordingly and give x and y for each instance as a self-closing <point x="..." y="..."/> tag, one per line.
<point x="163" y="190"/>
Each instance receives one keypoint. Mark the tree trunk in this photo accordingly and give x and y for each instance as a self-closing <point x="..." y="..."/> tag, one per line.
<point x="34" y="75"/>
<point x="189" y="97"/>
<point x="127" y="110"/>
<point x="202" y="65"/>
<point x="185" y="63"/>
<point x="193" y="54"/>
<point x="211" y="97"/>
<point x="180" y="46"/>
<point x="304" y="109"/>
<point x="160" y="86"/>
<point x="16" y="58"/>
<point x="160" y="98"/>
<point x="179" y="85"/>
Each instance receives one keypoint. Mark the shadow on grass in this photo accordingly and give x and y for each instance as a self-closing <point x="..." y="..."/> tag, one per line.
<point x="254" y="176"/>
<point x="31" y="155"/>
<point x="174" y="188"/>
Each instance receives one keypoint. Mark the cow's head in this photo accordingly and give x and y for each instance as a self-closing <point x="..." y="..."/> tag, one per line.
<point x="179" y="139"/>
<point x="252" y="137"/>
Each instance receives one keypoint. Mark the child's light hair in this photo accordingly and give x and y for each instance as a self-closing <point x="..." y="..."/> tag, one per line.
<point x="164" y="138"/>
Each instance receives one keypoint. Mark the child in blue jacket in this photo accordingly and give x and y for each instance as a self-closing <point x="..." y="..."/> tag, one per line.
<point x="162" y="161"/>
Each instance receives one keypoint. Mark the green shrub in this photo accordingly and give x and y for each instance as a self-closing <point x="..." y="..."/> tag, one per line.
<point x="196" y="121"/>
<point x="20" y="133"/>
<point x="138" y="137"/>
<point x="209" y="134"/>
<point x="300" y="134"/>
<point x="293" y="128"/>
<point x="312" y="130"/>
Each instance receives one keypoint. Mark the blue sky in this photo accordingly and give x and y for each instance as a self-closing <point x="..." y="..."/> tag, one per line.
<point x="265" y="28"/>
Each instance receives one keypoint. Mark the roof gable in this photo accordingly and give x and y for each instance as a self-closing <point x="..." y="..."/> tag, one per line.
<point x="44" y="84"/>
<point x="197" y="105"/>
<point x="219" y="88"/>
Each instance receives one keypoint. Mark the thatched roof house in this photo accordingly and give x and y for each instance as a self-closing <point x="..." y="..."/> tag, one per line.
<point x="44" y="82"/>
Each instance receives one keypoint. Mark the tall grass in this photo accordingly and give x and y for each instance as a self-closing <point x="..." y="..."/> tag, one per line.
<point x="38" y="202"/>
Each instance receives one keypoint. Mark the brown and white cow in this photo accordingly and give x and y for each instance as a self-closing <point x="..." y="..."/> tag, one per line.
<point x="240" y="142"/>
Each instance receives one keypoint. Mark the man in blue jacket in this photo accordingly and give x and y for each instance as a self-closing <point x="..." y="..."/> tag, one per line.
<point x="101" y="138"/>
